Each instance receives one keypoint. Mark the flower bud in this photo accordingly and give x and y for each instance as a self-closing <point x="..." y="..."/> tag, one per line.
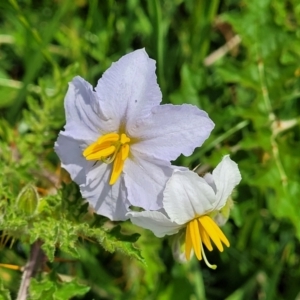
<point x="27" y="200"/>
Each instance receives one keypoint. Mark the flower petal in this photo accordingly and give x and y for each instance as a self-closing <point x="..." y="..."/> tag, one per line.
<point x="171" y="130"/>
<point x="82" y="111"/>
<point x="210" y="180"/>
<point x="186" y="196"/>
<point x="155" y="221"/>
<point x="226" y="176"/>
<point x="145" y="181"/>
<point x="107" y="200"/>
<point x="129" y="88"/>
<point x="70" y="153"/>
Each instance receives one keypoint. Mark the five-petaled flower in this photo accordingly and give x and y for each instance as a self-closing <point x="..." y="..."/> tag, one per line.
<point x="190" y="202"/>
<point x="118" y="141"/>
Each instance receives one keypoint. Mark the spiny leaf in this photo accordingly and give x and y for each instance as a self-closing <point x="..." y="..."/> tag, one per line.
<point x="48" y="289"/>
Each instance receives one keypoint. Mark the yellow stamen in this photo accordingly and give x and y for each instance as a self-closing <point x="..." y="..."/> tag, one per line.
<point x="202" y="230"/>
<point x="117" y="168"/>
<point x="124" y="139"/>
<point x="196" y="238"/>
<point x="205" y="238"/>
<point x="12" y="267"/>
<point x="97" y="154"/>
<point x="103" y="142"/>
<point x="125" y="151"/>
<point x="111" y="147"/>
<point x="214" y="232"/>
<point x="109" y="137"/>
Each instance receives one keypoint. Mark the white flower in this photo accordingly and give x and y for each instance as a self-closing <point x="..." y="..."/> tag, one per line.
<point x="118" y="141"/>
<point x="189" y="201"/>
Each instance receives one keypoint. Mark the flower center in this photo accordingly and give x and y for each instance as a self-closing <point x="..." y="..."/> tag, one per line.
<point x="202" y="230"/>
<point x="111" y="147"/>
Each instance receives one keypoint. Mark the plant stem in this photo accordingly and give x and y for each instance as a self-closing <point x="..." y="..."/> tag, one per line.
<point x="34" y="263"/>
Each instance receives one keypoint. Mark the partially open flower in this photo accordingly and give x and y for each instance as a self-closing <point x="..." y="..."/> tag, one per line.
<point x="190" y="202"/>
<point x="118" y="141"/>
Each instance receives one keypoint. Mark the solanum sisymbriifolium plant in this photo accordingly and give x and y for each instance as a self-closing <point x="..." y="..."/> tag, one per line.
<point x="118" y="140"/>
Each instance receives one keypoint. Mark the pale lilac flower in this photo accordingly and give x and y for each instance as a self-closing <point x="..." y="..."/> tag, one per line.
<point x="118" y="141"/>
<point x="191" y="202"/>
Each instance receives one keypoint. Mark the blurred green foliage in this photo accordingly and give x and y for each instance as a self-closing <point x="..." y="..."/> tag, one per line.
<point x="237" y="60"/>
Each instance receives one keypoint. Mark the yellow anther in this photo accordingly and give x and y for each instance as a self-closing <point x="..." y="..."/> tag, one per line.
<point x="105" y="141"/>
<point x="124" y="139"/>
<point x="201" y="231"/>
<point x="195" y="237"/>
<point x="125" y="151"/>
<point x="111" y="147"/>
<point x="117" y="168"/>
<point x="110" y="137"/>
<point x="214" y="232"/>
<point x="98" y="154"/>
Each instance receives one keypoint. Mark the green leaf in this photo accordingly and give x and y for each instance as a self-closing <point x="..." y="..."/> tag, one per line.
<point x="55" y="290"/>
<point x="115" y="240"/>
<point x="41" y="289"/>
<point x="67" y="290"/>
<point x="4" y="292"/>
